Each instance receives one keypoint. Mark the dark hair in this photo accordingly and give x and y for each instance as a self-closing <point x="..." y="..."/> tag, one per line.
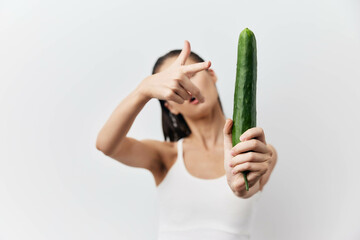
<point x="174" y="126"/>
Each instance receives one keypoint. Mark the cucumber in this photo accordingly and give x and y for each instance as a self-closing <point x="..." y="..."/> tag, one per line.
<point x="244" y="112"/>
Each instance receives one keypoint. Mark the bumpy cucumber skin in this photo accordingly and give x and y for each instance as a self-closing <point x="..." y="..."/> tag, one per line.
<point x="244" y="112"/>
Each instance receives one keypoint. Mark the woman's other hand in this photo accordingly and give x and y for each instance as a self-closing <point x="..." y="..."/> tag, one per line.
<point x="173" y="83"/>
<point x="251" y="154"/>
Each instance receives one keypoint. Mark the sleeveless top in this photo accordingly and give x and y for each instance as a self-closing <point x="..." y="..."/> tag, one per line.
<point x="192" y="208"/>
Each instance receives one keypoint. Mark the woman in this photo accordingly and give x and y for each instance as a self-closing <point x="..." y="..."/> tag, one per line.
<point x="198" y="173"/>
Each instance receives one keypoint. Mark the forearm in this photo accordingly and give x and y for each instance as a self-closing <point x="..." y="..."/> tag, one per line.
<point x="120" y="121"/>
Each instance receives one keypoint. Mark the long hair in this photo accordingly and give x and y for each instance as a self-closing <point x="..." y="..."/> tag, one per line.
<point x="174" y="126"/>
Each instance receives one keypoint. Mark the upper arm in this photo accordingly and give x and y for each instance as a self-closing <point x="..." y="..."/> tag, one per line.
<point x="139" y="153"/>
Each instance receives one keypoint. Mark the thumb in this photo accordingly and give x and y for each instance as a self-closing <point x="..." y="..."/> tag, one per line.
<point x="227" y="135"/>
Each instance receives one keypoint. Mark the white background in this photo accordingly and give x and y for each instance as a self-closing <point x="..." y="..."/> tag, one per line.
<point x="66" y="65"/>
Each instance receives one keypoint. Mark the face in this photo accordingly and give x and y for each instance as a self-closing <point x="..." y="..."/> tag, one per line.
<point x="205" y="81"/>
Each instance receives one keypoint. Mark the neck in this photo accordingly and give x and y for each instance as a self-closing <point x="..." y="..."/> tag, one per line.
<point x="207" y="132"/>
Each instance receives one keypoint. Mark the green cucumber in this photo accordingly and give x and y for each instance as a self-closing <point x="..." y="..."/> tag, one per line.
<point x="244" y="112"/>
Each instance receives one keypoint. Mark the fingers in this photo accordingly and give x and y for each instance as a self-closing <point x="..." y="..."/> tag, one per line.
<point x="191" y="68"/>
<point x="252" y="167"/>
<point x="184" y="54"/>
<point x="238" y="184"/>
<point x="253" y="177"/>
<point x="176" y="98"/>
<point x="250" y="145"/>
<point x="248" y="157"/>
<point x="255" y="132"/>
<point x="183" y="93"/>
<point x="189" y="86"/>
<point x="196" y="67"/>
<point x="227" y="134"/>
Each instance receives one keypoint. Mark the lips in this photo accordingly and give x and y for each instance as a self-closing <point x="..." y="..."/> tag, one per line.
<point x="194" y="101"/>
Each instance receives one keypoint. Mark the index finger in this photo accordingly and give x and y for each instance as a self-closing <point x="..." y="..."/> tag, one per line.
<point x="196" y="67"/>
<point x="252" y="145"/>
<point x="255" y="132"/>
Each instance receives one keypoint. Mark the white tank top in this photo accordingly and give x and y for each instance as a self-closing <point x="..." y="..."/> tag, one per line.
<point x="192" y="208"/>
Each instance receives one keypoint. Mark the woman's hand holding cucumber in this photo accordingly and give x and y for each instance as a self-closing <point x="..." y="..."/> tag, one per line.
<point x="173" y="83"/>
<point x="252" y="154"/>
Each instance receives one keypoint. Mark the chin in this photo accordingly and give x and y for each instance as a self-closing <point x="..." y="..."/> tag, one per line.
<point x="200" y="111"/>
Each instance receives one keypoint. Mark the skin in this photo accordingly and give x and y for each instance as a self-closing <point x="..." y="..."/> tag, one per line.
<point x="208" y="151"/>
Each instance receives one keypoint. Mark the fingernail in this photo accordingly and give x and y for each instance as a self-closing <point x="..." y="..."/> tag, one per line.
<point x="230" y="165"/>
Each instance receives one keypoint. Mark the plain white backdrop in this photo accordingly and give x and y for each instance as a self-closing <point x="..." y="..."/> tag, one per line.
<point x="66" y="65"/>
